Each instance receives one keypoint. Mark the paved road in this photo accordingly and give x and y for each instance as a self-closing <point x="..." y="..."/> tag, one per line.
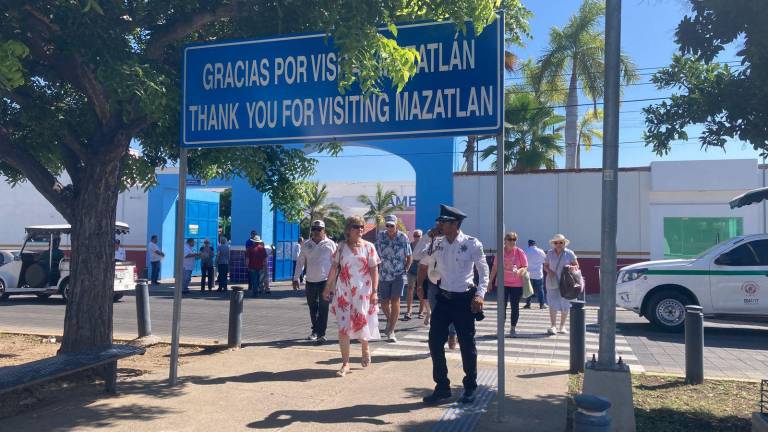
<point x="281" y="319"/>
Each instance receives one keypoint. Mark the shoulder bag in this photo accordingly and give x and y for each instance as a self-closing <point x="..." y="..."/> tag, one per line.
<point x="331" y="284"/>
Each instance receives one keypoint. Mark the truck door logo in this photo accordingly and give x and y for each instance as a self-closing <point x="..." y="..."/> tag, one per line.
<point x="750" y="290"/>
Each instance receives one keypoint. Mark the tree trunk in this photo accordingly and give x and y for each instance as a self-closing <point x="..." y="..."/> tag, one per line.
<point x="88" y="318"/>
<point x="571" y="122"/>
<point x="469" y="153"/>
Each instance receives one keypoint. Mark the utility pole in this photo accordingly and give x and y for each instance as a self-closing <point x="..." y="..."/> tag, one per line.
<point x="606" y="357"/>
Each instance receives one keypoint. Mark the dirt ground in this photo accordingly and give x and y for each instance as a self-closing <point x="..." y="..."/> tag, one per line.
<point x="18" y="349"/>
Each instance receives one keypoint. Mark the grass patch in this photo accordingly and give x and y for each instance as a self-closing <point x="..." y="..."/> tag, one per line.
<point x="668" y="404"/>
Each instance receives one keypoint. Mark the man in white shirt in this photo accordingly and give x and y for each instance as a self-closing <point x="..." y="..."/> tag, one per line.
<point x="536" y="257"/>
<point x="295" y="252"/>
<point x="119" y="251"/>
<point x="459" y="302"/>
<point x="155" y="255"/>
<point x="315" y="256"/>
<point x="189" y="263"/>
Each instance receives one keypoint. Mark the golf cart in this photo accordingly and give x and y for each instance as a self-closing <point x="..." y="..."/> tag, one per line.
<point x="42" y="269"/>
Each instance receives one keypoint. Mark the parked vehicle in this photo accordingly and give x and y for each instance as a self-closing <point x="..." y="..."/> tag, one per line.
<point x="729" y="281"/>
<point x="42" y="269"/>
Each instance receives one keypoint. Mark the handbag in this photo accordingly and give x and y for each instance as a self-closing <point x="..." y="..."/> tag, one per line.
<point x="527" y="287"/>
<point x="331" y="284"/>
<point x="571" y="283"/>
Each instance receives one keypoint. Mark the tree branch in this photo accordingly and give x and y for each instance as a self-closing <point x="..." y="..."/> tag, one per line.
<point x="70" y="68"/>
<point x="37" y="174"/>
<point x="167" y="35"/>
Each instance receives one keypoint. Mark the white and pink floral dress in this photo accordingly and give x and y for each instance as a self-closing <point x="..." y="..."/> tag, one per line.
<point x="355" y="315"/>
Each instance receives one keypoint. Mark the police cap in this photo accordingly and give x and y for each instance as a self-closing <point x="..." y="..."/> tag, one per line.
<point x="449" y="214"/>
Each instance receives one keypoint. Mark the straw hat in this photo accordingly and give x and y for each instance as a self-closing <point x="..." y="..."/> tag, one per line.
<point x="559" y="237"/>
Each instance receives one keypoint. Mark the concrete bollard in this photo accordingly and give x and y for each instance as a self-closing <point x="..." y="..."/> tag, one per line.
<point x="694" y="344"/>
<point x="142" y="309"/>
<point x="592" y="414"/>
<point x="235" y="334"/>
<point x="578" y="336"/>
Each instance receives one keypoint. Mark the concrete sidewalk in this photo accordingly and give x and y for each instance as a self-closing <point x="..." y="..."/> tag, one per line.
<point x="293" y="389"/>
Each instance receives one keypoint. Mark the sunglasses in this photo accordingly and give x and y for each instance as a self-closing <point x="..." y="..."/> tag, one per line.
<point x="511" y="239"/>
<point x="417" y="236"/>
<point x="558" y="242"/>
<point x="317" y="229"/>
<point x="357" y="226"/>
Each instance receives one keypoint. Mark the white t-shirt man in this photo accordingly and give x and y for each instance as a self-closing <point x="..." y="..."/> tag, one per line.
<point x="189" y="263"/>
<point x="152" y="251"/>
<point x="536" y="257"/>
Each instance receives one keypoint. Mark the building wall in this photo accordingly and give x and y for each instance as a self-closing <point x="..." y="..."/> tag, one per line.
<point x="540" y="204"/>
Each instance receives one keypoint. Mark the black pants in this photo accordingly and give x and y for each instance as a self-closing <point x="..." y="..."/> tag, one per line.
<point x="206" y="271"/>
<point x="154" y="272"/>
<point x="223" y="276"/>
<point x="512" y="296"/>
<point x="456" y="311"/>
<point x="318" y="307"/>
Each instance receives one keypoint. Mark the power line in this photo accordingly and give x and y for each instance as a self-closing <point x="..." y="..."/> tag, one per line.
<point x="646" y="68"/>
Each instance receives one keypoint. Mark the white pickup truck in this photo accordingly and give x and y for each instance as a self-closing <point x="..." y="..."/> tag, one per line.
<point x="729" y="280"/>
<point x="41" y="269"/>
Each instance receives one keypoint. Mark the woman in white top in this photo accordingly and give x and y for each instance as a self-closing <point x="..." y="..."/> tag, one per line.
<point x="558" y="258"/>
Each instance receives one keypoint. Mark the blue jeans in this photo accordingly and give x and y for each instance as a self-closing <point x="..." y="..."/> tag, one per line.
<point x="186" y="280"/>
<point x="538" y="291"/>
<point x="254" y="281"/>
<point x="154" y="273"/>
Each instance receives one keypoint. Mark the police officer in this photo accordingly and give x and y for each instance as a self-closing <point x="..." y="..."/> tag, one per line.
<point x="459" y="302"/>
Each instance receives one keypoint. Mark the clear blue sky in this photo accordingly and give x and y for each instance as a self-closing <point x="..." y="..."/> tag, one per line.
<point x="647" y="36"/>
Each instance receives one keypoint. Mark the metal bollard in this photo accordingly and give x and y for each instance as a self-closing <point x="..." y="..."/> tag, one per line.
<point x="235" y="334"/>
<point x="694" y="344"/>
<point x="578" y="336"/>
<point x="142" y="308"/>
<point x="592" y="414"/>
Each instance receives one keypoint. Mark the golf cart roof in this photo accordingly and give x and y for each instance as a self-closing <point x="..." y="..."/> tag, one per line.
<point x="120" y="228"/>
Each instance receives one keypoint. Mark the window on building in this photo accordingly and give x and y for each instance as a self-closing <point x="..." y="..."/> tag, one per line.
<point x="686" y="237"/>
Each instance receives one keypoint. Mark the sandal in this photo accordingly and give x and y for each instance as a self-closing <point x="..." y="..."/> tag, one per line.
<point x="427" y="317"/>
<point x="407" y="317"/>
<point x="343" y="371"/>
<point x="365" y="359"/>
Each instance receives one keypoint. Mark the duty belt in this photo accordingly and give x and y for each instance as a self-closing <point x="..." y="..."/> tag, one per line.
<point x="450" y="295"/>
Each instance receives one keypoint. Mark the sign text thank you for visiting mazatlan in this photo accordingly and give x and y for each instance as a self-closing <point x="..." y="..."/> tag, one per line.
<point x="285" y="90"/>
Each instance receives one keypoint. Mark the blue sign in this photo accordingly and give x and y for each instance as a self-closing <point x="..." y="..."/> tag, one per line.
<point x="285" y="90"/>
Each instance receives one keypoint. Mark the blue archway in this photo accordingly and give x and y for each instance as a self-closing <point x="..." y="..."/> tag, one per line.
<point x="432" y="161"/>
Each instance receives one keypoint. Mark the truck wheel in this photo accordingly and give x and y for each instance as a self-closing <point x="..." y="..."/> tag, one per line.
<point x="117" y="297"/>
<point x="64" y="290"/>
<point x="3" y="294"/>
<point x="666" y="311"/>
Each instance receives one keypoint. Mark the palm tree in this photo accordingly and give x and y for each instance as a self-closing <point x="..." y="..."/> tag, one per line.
<point x="532" y="134"/>
<point x="576" y="52"/>
<point x="587" y="133"/>
<point x="510" y="60"/>
<point x="380" y="206"/>
<point x="317" y="208"/>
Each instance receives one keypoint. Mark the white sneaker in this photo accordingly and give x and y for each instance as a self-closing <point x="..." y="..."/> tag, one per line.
<point x="312" y="337"/>
<point x="563" y="330"/>
<point x="392" y="338"/>
<point x="552" y="331"/>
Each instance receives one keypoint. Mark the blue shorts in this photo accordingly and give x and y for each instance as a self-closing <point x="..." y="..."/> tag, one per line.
<point x="393" y="289"/>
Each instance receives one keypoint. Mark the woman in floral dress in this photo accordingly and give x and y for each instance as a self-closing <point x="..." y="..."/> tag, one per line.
<point x="354" y="298"/>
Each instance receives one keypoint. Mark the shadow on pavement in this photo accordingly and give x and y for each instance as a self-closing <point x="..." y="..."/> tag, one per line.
<point x="543" y="374"/>
<point x="376" y="359"/>
<point x="366" y="414"/>
<point x="298" y="375"/>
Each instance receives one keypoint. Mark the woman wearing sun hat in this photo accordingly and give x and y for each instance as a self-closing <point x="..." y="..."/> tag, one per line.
<point x="558" y="258"/>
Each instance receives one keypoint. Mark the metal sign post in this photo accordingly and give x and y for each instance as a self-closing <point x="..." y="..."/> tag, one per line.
<point x="178" y="272"/>
<point x="500" y="301"/>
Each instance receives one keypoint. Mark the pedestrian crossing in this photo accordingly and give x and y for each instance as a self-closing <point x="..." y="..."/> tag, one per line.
<point x="531" y="346"/>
